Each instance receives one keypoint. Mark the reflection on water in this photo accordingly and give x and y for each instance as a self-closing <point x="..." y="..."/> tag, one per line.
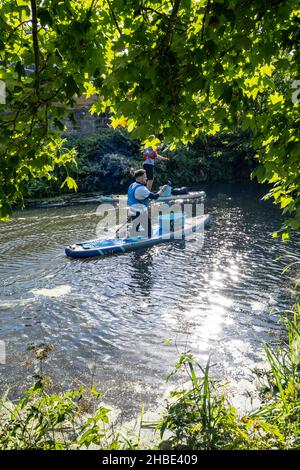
<point x="113" y="315"/>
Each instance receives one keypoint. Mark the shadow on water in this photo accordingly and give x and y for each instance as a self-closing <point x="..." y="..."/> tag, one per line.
<point x="142" y="274"/>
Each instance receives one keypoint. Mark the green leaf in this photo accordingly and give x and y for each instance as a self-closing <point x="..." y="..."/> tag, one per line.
<point x="71" y="183"/>
<point x="71" y="87"/>
<point x="59" y="124"/>
<point x="285" y="201"/>
<point x="285" y="236"/>
<point x="227" y="94"/>
<point x="19" y="68"/>
<point x="5" y="211"/>
<point x="45" y="17"/>
<point x="293" y="148"/>
<point x="276" y="98"/>
<point x="259" y="173"/>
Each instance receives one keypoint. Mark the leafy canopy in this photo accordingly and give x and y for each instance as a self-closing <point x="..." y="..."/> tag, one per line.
<point x="175" y="68"/>
<point x="49" y="50"/>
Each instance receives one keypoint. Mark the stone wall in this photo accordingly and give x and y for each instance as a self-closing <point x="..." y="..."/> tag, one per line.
<point x="86" y="124"/>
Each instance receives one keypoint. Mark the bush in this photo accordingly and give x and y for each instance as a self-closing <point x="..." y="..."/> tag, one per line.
<point x="201" y="417"/>
<point x="54" y="422"/>
<point x="104" y="161"/>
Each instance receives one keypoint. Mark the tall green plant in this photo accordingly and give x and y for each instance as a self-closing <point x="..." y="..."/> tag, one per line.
<point x="282" y="383"/>
<point x="54" y="422"/>
<point x="200" y="416"/>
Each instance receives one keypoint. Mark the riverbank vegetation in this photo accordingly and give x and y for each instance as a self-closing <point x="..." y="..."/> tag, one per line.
<point x="202" y="417"/>
<point x="199" y="415"/>
<point x="105" y="161"/>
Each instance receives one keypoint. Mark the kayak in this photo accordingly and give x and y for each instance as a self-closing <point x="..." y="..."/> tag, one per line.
<point x="173" y="197"/>
<point x="104" y="247"/>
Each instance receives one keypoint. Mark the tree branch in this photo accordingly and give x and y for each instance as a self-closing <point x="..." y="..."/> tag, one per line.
<point x="204" y="18"/>
<point x="15" y="29"/>
<point x="93" y="4"/>
<point x="172" y="19"/>
<point x="114" y="16"/>
<point x="152" y="10"/>
<point x="35" y="47"/>
<point x="46" y="100"/>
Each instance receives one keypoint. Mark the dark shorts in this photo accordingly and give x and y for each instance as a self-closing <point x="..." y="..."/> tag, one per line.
<point x="149" y="171"/>
<point x="146" y="222"/>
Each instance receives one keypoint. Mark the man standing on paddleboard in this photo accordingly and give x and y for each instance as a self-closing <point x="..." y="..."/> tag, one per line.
<point x="139" y="198"/>
<point x="150" y="155"/>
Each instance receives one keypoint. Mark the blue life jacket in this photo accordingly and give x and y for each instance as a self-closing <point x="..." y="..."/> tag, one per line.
<point x="132" y="200"/>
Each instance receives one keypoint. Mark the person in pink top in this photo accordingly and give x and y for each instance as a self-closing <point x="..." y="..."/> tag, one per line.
<point x="150" y="155"/>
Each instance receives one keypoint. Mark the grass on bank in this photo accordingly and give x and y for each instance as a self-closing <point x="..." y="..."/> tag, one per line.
<point x="198" y="417"/>
<point x="202" y="417"/>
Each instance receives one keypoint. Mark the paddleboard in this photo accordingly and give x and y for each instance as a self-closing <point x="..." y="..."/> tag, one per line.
<point x="104" y="247"/>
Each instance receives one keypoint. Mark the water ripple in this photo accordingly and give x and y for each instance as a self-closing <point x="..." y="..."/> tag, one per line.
<point x="117" y="312"/>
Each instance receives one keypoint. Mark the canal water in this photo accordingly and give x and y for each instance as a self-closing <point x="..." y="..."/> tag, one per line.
<point x="107" y="319"/>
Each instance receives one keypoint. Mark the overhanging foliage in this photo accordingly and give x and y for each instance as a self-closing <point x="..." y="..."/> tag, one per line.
<point x="175" y="68"/>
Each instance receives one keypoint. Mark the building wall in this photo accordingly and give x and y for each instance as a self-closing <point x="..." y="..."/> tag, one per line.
<point x="85" y="122"/>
